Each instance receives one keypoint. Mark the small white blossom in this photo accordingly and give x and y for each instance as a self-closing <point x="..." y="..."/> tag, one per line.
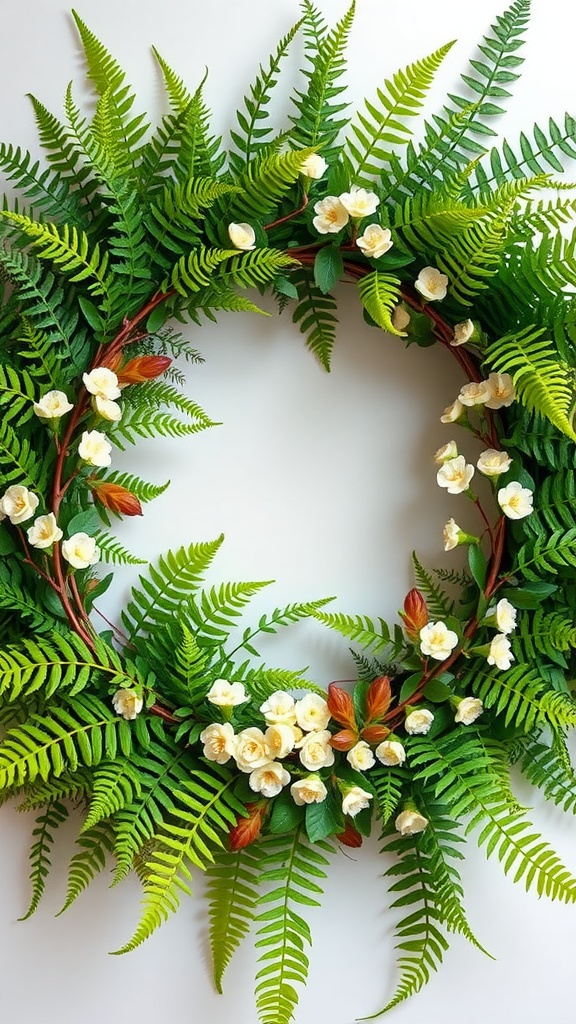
<point x="475" y="393"/>
<point x="44" y="532"/>
<point x="432" y="284"/>
<point x="505" y="616"/>
<point x="500" y="652"/>
<point x="312" y="712"/>
<point x="390" y="752"/>
<point x="361" y="757"/>
<point x="400" y="317"/>
<point x="278" y="709"/>
<point x="80" y="551"/>
<point x="315" y="750"/>
<point x="225" y="694"/>
<point x="330" y="217"/>
<point x="418" y="722"/>
<point x="515" y="500"/>
<point x="375" y="242"/>
<point x="127" y="703"/>
<point x="251" y="750"/>
<point x="453" y="412"/>
<point x="313" y="166"/>
<point x="409" y="823"/>
<point x="95" y="448"/>
<point x="358" y="202"/>
<point x="468" y="710"/>
<point x="52" y="405"/>
<point x="355" y="800"/>
<point x="502" y="390"/>
<point x="103" y="382"/>
<point x="455" y="475"/>
<point x="219" y="742"/>
<point x="462" y="333"/>
<point x="447" y="451"/>
<point x="280" y="739"/>
<point x="242" y="236"/>
<point x="437" y="641"/>
<point x="310" y="790"/>
<point x="493" y="462"/>
<point x="452" y="534"/>
<point x="107" y="409"/>
<point x="19" y="504"/>
<point x="269" y="779"/>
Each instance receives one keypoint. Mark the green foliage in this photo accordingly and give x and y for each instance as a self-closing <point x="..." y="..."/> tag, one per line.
<point x="52" y="816"/>
<point x="94" y="844"/>
<point x="233" y="894"/>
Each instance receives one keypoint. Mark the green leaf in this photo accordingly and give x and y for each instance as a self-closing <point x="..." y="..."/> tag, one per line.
<point x="324" y="819"/>
<point x="328" y="267"/>
<point x="478" y="565"/>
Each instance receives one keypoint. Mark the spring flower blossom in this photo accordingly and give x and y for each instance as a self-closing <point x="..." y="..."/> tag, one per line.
<point x="251" y="750"/>
<point x="400" y="317"/>
<point x="493" y="462"/>
<point x="391" y="752"/>
<point x="358" y="202"/>
<point x="455" y="475"/>
<point x="475" y="393"/>
<point x="52" y="406"/>
<point x="312" y="712"/>
<point x="219" y="742"/>
<point x="106" y="408"/>
<point x="313" y="166"/>
<point x="355" y="800"/>
<point x="242" y="236"/>
<point x="280" y="739"/>
<point x="453" y="412"/>
<point x="310" y="790"/>
<point x="410" y="822"/>
<point x="502" y="390"/>
<point x="515" y="500"/>
<point x="279" y="708"/>
<point x="432" y="284"/>
<point x="103" y="382"/>
<point x="95" y="448"/>
<point x="331" y="216"/>
<point x="315" y="750"/>
<point x="447" y="451"/>
<point x="80" y="551"/>
<point x="19" y="504"/>
<point x="269" y="779"/>
<point x="437" y="641"/>
<point x="500" y="653"/>
<point x="225" y="694"/>
<point x="44" y="532"/>
<point x="468" y="710"/>
<point x="452" y="535"/>
<point x="375" y="242"/>
<point x="462" y="333"/>
<point x="127" y="703"/>
<point x="505" y="616"/>
<point x="361" y="757"/>
<point x="418" y="722"/>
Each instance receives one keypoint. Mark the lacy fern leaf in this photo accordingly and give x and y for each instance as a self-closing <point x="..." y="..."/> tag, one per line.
<point x="233" y="884"/>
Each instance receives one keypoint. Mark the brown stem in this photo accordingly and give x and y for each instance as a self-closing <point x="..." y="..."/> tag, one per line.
<point x="289" y="216"/>
<point x="164" y="714"/>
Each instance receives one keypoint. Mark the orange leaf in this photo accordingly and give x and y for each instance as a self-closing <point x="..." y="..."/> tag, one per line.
<point x="246" y="830"/>
<point x="415" y="613"/>
<point x="375" y="733"/>
<point x="378" y="698"/>
<point x="341" y="707"/>
<point x="142" y="368"/>
<point x="344" y="740"/>
<point x="350" y="836"/>
<point x="116" y="498"/>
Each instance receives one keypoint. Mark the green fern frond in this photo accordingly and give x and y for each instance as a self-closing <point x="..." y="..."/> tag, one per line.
<point x="545" y="767"/>
<point x="537" y="157"/>
<point x="271" y="622"/>
<point x="315" y="316"/>
<point x="379" y="294"/>
<point x="18" y="392"/>
<point x="520" y="695"/>
<point x="115" y="785"/>
<point x="388" y="783"/>
<point x="194" y="271"/>
<point x="57" y="662"/>
<point x="112" y="551"/>
<point x="19" y="461"/>
<point x="95" y="843"/>
<point x="64" y="156"/>
<point x="139" y="422"/>
<point x="215" y="612"/>
<point x="438" y="602"/>
<point x="546" y="555"/>
<point x="367" y="632"/>
<point x="45" y="188"/>
<point x="233" y="882"/>
<point x="265" y="183"/>
<point x="54" y="815"/>
<point x="143" y="490"/>
<point x="68" y="248"/>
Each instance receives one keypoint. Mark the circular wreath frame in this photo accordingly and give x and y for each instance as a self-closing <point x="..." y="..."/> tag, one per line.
<point x="130" y="232"/>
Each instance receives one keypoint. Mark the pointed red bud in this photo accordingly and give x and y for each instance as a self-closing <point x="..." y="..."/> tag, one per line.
<point x="141" y="369"/>
<point x="378" y="698"/>
<point x="375" y="733"/>
<point x="350" y="836"/>
<point x="344" y="740"/>
<point x="247" y="830"/>
<point x="116" y="498"/>
<point x="415" y="614"/>
<point x="341" y="707"/>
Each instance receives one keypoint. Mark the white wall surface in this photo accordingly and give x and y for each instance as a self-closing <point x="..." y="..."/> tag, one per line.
<point x="324" y="483"/>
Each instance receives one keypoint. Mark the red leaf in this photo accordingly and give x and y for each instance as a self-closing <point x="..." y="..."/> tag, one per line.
<point x="341" y="707"/>
<point x="116" y="498"/>
<point x="378" y="698"/>
<point x="415" y="613"/>
<point x="344" y="740"/>
<point x="375" y="733"/>
<point x="350" y="836"/>
<point x="246" y="830"/>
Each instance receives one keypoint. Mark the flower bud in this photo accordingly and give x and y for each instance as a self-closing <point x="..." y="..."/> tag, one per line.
<point x="142" y="368"/>
<point x="350" y="836"/>
<point x="341" y="706"/>
<point x="116" y="498"/>
<point x="414" y="614"/>
<point x="378" y="698"/>
<point x="247" y="830"/>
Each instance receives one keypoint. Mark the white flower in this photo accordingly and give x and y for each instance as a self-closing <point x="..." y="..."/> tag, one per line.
<point x="280" y="739"/>
<point x="331" y="216"/>
<point x="400" y="317"/>
<point x="242" y="236"/>
<point x="251" y="750"/>
<point x="462" y="333"/>
<point x="452" y="412"/>
<point x="431" y="284"/>
<point x="355" y="800"/>
<point x="219" y="742"/>
<point x="452" y="535"/>
<point x="95" y="448"/>
<point x="502" y="390"/>
<point x="19" y="504"/>
<point x="103" y="382"/>
<point x="505" y="616"/>
<point x="313" y="166"/>
<point x="106" y="408"/>
<point x="437" y="641"/>
<point x="468" y="710"/>
<point x="278" y="709"/>
<point x="475" y="393"/>
<point x="52" y="405"/>
<point x="361" y="757"/>
<point x="310" y="790"/>
<point x="315" y="750"/>
<point x="225" y="694"/>
<point x="418" y="722"/>
<point x="500" y="652"/>
<point x="312" y="712"/>
<point x="515" y="500"/>
<point x="80" y="551"/>
<point x="409" y="823"/>
<point x="493" y="462"/>
<point x="127" y="703"/>
<point x="269" y="779"/>
<point x="44" y="531"/>
<point x="390" y="752"/>
<point x="455" y="475"/>
<point x="447" y="451"/>
<point x="375" y="242"/>
<point x="358" y="202"/>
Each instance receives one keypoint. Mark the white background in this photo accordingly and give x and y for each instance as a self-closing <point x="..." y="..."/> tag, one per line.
<point x="324" y="483"/>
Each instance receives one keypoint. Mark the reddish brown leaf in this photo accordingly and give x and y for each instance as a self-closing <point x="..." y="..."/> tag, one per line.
<point x="341" y="707"/>
<point x="246" y="830"/>
<point x="116" y="498"/>
<point x="350" y="836"/>
<point x="142" y="368"/>
<point x="378" y="698"/>
<point x="344" y="740"/>
<point x="415" y="613"/>
<point x="375" y="733"/>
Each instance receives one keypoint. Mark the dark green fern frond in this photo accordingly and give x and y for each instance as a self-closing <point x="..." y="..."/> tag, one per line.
<point x="111" y="550"/>
<point x="438" y="602"/>
<point x="95" y="843"/>
<point x="519" y="694"/>
<point x="315" y="315"/>
<point x="545" y="767"/>
<point x="54" y="815"/>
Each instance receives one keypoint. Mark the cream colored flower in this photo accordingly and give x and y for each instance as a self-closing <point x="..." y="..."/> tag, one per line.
<point x="330" y="217"/>
<point x="437" y="641"/>
<point x="505" y="616"/>
<point x="409" y="823"/>
<point x="515" y="500"/>
<point x="468" y="710"/>
<point x="252" y="750"/>
<point x="418" y="722"/>
<point x="453" y="412"/>
<point x="355" y="800"/>
<point x="455" y="475"/>
<point x="103" y="382"/>
<point x="106" y="408"/>
<point x="19" y="504"/>
<point x="127" y="703"/>
<point x="375" y="242"/>
<point x="432" y="285"/>
<point x="359" y="202"/>
<point x="390" y="752"/>
<point x="95" y="448"/>
<point x="242" y="236"/>
<point x="500" y="652"/>
<point x="278" y="709"/>
<point x="219" y="742"/>
<point x="44" y="532"/>
<point x="225" y="694"/>
<point x="361" y="757"/>
<point x="462" y="333"/>
<point x="80" y="551"/>
<point x="312" y="712"/>
<point x="400" y="317"/>
<point x="475" y="393"/>
<point x="269" y="779"/>
<point x="310" y="790"/>
<point x="315" y="750"/>
<point x="452" y="535"/>
<point x="447" y="451"/>
<point x="502" y="390"/>
<point x="52" y="405"/>
<point x="313" y="166"/>
<point x="493" y="462"/>
<point x="280" y="739"/>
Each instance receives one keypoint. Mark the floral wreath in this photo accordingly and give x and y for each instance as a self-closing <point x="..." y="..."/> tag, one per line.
<point x="182" y="751"/>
